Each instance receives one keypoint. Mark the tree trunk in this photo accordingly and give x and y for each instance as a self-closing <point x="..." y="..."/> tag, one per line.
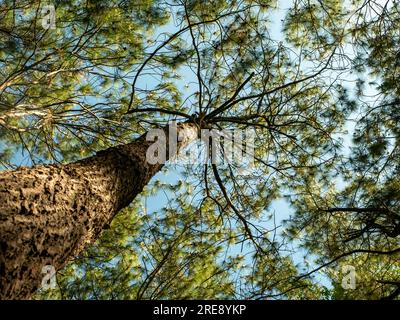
<point x="49" y="213"/>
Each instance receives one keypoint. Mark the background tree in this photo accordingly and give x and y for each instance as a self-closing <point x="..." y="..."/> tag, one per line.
<point x="358" y="216"/>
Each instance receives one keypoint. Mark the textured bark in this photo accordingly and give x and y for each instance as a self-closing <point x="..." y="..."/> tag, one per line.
<point x="49" y="213"/>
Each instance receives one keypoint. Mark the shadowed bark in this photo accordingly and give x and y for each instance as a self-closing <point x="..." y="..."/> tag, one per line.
<point x="49" y="213"/>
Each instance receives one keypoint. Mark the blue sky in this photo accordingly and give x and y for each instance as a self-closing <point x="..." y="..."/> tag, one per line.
<point x="280" y="207"/>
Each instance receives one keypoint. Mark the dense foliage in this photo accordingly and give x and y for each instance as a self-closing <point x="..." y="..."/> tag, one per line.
<point x="317" y="82"/>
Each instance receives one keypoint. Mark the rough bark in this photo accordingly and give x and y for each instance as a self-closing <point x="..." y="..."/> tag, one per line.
<point x="49" y="213"/>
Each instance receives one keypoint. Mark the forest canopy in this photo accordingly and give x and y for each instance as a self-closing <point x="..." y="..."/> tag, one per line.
<point x="317" y="81"/>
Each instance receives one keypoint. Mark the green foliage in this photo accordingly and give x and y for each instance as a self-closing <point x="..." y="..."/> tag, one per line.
<point x="62" y="89"/>
<point x="111" y="70"/>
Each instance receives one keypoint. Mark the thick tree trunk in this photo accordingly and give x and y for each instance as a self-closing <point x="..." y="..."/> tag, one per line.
<point x="49" y="213"/>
